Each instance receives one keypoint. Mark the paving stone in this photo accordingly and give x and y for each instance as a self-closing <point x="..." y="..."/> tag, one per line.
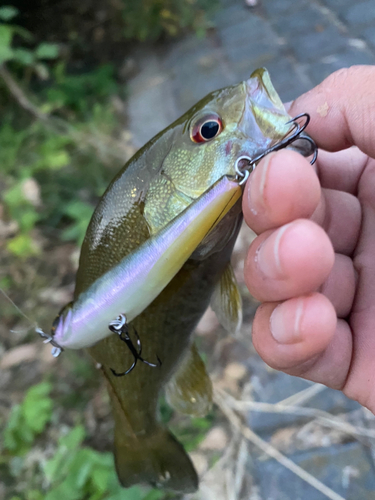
<point x="198" y="78"/>
<point x="318" y="71"/>
<point x="272" y="387"/>
<point x="360" y="13"/>
<point x="233" y="14"/>
<point x="292" y="22"/>
<point x="288" y="82"/>
<point x="249" y="44"/>
<point x="151" y="107"/>
<point x="199" y="87"/>
<point x="333" y="401"/>
<point x="249" y="32"/>
<point x="149" y="112"/>
<point x="346" y="469"/>
<point x="183" y="51"/>
<point x="277" y="7"/>
<point x="336" y="5"/>
<point x="369" y="35"/>
<point x="244" y="58"/>
<point x="313" y="46"/>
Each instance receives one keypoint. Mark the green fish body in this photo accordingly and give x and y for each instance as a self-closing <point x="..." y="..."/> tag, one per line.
<point x="168" y="175"/>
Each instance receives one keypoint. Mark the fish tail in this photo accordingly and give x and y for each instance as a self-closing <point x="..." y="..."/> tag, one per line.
<point x="157" y="459"/>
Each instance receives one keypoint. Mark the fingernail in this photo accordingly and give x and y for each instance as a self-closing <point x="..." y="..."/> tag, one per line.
<point x="288" y="105"/>
<point x="265" y="169"/>
<point x="285" y="322"/>
<point x="267" y="256"/>
<point x="256" y="191"/>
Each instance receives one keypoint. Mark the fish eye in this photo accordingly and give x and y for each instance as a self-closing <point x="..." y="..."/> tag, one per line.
<point x="207" y="128"/>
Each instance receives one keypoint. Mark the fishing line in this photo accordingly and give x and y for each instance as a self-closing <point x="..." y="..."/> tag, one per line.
<point x="32" y="323"/>
<point x="56" y="349"/>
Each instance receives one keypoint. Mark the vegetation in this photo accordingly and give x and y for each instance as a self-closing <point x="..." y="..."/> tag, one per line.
<point x="150" y="19"/>
<point x="50" y="147"/>
<point x="59" y="150"/>
<point x="70" y="470"/>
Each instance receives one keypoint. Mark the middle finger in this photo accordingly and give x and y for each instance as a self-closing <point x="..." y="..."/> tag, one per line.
<point x="284" y="187"/>
<point x="292" y="260"/>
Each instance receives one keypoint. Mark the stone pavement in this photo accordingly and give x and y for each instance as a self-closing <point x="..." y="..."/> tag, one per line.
<point x="300" y="42"/>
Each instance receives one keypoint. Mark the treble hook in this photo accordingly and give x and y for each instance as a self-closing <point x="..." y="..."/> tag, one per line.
<point x="292" y="136"/>
<point x="120" y="327"/>
<point x="48" y="339"/>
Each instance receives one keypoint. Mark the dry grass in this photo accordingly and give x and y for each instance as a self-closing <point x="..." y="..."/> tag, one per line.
<point x="229" y="479"/>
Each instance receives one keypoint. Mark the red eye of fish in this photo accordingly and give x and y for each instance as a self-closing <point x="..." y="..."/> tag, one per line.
<point x="207" y="129"/>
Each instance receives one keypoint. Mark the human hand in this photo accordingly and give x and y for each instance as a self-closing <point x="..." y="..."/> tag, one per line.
<point x="312" y="264"/>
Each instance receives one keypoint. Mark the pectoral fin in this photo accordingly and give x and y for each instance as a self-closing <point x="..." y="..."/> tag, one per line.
<point x="227" y="302"/>
<point x="190" y="389"/>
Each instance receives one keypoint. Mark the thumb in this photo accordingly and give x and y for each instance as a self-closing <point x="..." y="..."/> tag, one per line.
<point x="342" y="110"/>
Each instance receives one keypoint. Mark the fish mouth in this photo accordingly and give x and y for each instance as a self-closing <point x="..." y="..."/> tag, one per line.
<point x="264" y="120"/>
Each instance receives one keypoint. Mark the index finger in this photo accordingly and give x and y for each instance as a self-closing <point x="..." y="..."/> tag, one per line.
<point x="342" y="110"/>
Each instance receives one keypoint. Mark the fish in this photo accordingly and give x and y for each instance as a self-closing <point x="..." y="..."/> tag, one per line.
<point x="184" y="179"/>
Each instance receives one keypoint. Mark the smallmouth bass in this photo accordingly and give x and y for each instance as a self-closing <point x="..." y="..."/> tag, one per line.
<point x="185" y="175"/>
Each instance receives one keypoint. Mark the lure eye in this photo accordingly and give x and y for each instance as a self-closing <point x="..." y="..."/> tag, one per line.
<point x="58" y="318"/>
<point x="206" y="129"/>
<point x="55" y="324"/>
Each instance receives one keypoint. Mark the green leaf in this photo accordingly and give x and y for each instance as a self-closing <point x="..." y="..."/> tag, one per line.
<point x="37" y="407"/>
<point x="6" y="283"/>
<point x="6" y="35"/>
<point x="117" y="495"/>
<point x="134" y="493"/>
<point x="74" y="438"/>
<point x="23" y="56"/>
<point x="13" y="196"/>
<point x="10" y="432"/>
<point x="47" y="51"/>
<point x="34" y="495"/>
<point x="154" y="495"/>
<point x="25" y="34"/>
<point x="59" y="465"/>
<point x="28" y="419"/>
<point x="80" y="467"/>
<point x="81" y="214"/>
<point x="201" y="423"/>
<point x="22" y="246"/>
<point x="100" y="478"/>
<point x="64" y="491"/>
<point x="8" y="12"/>
<point x="58" y="160"/>
<point x="28" y="218"/>
<point x="53" y="467"/>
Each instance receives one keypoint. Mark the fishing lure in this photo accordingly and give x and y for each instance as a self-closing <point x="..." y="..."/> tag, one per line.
<point x="73" y="327"/>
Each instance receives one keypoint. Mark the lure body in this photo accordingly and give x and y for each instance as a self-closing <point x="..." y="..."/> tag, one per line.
<point x="166" y="180"/>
